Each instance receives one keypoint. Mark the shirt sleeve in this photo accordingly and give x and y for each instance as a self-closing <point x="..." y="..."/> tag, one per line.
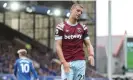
<point x="59" y="31"/>
<point x="33" y="71"/>
<point x="85" y="35"/>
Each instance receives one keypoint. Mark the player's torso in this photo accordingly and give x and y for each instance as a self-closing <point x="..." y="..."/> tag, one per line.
<point x="72" y="42"/>
<point x="72" y="35"/>
<point x="23" y="68"/>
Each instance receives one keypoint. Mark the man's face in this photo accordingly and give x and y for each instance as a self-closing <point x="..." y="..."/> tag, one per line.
<point x="76" y="12"/>
<point x="19" y="55"/>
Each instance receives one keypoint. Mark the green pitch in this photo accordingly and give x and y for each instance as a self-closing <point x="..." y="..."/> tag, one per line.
<point x="130" y="60"/>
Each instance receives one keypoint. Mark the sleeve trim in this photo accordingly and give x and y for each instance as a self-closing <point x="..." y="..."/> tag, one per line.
<point x="86" y="38"/>
<point x="58" y="37"/>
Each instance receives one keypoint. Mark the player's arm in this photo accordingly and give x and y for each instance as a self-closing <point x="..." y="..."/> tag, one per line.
<point x="90" y="50"/>
<point x="89" y="46"/>
<point x="15" y="68"/>
<point x="58" y="43"/>
<point x="61" y="57"/>
<point x="33" y="71"/>
<point x="59" y="51"/>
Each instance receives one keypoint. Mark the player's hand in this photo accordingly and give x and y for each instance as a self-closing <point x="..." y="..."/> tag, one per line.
<point x="66" y="67"/>
<point x="91" y="60"/>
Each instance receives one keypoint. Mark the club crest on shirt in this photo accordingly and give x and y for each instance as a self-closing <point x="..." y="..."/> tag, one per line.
<point x="67" y="30"/>
<point x="79" y="30"/>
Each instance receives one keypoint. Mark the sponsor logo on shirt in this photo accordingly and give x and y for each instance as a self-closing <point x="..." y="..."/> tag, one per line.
<point x="67" y="30"/>
<point x="78" y="36"/>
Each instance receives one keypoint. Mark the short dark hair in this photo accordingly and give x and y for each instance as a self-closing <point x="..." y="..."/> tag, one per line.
<point x="74" y="5"/>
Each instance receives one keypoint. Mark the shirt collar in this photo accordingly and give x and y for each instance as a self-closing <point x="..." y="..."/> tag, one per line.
<point x="68" y="22"/>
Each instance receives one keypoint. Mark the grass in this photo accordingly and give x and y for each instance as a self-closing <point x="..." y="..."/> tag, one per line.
<point x="130" y="60"/>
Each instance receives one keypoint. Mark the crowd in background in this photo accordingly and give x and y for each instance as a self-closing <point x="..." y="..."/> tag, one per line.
<point x="44" y="64"/>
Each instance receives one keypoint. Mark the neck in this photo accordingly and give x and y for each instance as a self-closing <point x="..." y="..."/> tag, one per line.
<point x="22" y="57"/>
<point x="72" y="21"/>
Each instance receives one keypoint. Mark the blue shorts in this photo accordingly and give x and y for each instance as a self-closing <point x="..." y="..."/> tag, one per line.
<point x="77" y="71"/>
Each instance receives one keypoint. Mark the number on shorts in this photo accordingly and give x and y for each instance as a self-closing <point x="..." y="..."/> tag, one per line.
<point x="25" y="68"/>
<point x="81" y="77"/>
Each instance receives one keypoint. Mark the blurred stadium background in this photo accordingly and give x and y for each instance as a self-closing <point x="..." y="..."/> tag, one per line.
<point x="31" y="24"/>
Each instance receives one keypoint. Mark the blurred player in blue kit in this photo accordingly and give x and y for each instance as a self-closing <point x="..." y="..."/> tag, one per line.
<point x="23" y="67"/>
